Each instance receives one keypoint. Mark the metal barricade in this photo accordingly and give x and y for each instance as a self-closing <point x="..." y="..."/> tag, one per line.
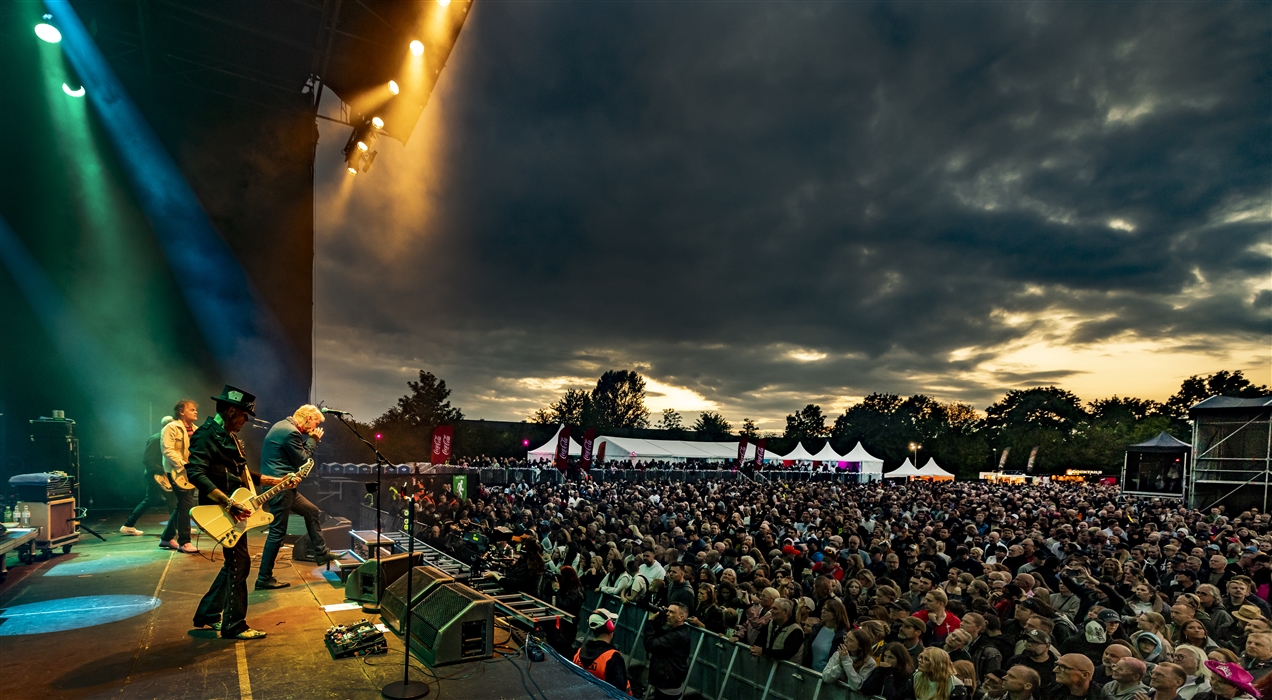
<point x="719" y="668"/>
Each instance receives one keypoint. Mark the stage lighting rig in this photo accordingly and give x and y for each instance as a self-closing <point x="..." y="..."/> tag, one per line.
<point x="357" y="151"/>
<point x="47" y="32"/>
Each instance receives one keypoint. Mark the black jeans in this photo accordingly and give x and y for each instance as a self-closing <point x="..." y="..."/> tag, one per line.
<point x="226" y="599"/>
<point x="281" y="506"/>
<point x="179" y="520"/>
<point x="155" y="497"/>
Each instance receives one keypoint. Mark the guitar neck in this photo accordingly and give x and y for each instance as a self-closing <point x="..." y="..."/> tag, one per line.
<point x="264" y="497"/>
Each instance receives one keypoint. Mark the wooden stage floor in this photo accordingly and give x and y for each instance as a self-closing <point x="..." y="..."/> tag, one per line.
<point x="113" y="620"/>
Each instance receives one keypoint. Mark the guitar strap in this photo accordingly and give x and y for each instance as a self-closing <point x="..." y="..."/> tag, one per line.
<point x="247" y="473"/>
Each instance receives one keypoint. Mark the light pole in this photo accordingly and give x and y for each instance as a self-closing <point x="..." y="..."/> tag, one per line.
<point x="914" y="450"/>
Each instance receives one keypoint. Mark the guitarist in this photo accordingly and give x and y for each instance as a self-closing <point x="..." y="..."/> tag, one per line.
<point x="176" y="452"/>
<point x="158" y="490"/>
<point x="289" y="444"/>
<point x="217" y="467"/>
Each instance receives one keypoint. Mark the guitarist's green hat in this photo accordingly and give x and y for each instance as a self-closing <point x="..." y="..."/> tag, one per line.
<point x="235" y="396"/>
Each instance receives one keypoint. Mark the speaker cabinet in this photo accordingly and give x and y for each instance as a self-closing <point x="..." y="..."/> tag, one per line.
<point x="367" y="581"/>
<point x="335" y="534"/>
<point x="424" y="580"/>
<point x="453" y="624"/>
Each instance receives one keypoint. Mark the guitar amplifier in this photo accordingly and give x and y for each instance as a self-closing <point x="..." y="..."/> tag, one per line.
<point x="367" y="582"/>
<point x="453" y="624"/>
<point x="424" y="580"/>
<point x="54" y="520"/>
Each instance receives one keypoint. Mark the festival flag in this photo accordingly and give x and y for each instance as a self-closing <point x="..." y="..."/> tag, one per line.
<point x="1002" y="462"/>
<point x="562" y="457"/>
<point x="443" y="435"/>
<point x="759" y="452"/>
<point x="589" y="439"/>
<point x="600" y="454"/>
<point x="741" y="452"/>
<point x="1032" y="453"/>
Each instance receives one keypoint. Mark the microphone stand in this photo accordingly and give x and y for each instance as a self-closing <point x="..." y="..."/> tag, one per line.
<point x="379" y="530"/>
<point x="406" y="689"/>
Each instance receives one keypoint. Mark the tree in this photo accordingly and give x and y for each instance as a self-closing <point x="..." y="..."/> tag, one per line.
<point x="1198" y="388"/>
<point x="808" y="422"/>
<point x="427" y="406"/>
<point x="1128" y="409"/>
<point x="670" y="420"/>
<point x="573" y="408"/>
<point x="750" y="430"/>
<point x="712" y="424"/>
<point x="1045" y="417"/>
<point x="619" y="400"/>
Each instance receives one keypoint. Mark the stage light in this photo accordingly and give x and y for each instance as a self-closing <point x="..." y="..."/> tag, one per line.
<point x="48" y="32"/>
<point x="393" y="87"/>
<point x="362" y="146"/>
<point x="377" y="122"/>
<point x="443" y="3"/>
<point x="417" y="47"/>
<point x="353" y="170"/>
<point x="73" y="93"/>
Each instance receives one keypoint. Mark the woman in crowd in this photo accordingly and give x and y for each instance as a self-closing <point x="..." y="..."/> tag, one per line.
<point x="1155" y="623"/>
<point x="852" y="661"/>
<point x="827" y="636"/>
<point x="617" y="581"/>
<point x="934" y="678"/>
<point x="1193" y="633"/>
<point x="893" y="678"/>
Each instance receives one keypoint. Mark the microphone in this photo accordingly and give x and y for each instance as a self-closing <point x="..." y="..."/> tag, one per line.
<point x="335" y="411"/>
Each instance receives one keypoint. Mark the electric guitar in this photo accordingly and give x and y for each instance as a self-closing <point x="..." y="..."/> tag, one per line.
<point x="220" y="525"/>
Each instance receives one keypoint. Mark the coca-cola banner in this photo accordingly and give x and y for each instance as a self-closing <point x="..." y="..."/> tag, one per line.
<point x="600" y="454"/>
<point x="741" y="452"/>
<point x="562" y="457"/>
<point x="759" y="452"/>
<point x="443" y="435"/>
<point x="589" y="439"/>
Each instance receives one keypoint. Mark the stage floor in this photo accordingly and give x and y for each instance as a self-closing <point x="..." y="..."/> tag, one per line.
<point x="113" y="619"/>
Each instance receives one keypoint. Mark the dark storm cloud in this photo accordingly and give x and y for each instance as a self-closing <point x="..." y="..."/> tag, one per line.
<point x="700" y="189"/>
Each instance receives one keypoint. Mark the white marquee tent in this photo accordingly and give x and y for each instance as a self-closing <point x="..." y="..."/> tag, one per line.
<point x="548" y="449"/>
<point x="799" y="454"/>
<point x="642" y="450"/>
<point x="871" y="468"/>
<point x="904" y="471"/>
<point x="934" y="470"/>
<point x="826" y="454"/>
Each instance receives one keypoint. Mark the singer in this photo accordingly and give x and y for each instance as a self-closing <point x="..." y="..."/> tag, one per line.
<point x="289" y="444"/>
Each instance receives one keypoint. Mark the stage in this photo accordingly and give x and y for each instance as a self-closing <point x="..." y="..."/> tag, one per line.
<point x="137" y="601"/>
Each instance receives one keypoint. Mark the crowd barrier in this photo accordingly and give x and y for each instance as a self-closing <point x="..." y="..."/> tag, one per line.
<point x="719" y="668"/>
<point x="498" y="476"/>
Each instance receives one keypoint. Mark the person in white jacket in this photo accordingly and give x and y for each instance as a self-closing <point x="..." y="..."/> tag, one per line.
<point x="176" y="452"/>
<point x="852" y="663"/>
<point x="617" y="581"/>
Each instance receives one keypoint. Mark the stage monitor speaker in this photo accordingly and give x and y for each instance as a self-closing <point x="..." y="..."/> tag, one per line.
<point x="424" y="580"/>
<point x="367" y="580"/>
<point x="453" y="624"/>
<point x="335" y="533"/>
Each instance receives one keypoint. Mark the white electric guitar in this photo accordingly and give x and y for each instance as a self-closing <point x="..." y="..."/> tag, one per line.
<point x="220" y="525"/>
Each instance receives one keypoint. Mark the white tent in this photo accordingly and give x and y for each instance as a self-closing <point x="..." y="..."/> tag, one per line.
<point x="548" y="449"/>
<point x="935" y="470"/>
<point x="904" y="471"/>
<point x="641" y="450"/>
<point x="827" y="455"/>
<point x="799" y="454"/>
<point x="871" y="467"/>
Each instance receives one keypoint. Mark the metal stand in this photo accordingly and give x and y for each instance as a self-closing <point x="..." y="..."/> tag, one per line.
<point x="407" y="689"/>
<point x="379" y="528"/>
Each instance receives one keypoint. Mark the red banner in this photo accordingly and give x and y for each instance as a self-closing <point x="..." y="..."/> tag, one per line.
<point x="443" y="436"/>
<point x="562" y="457"/>
<point x="741" y="452"/>
<point x="589" y="439"/>
<point x="759" y="453"/>
<point x="600" y="455"/>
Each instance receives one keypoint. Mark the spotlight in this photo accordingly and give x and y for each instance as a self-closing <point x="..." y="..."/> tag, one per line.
<point x="362" y="146"/>
<point x="353" y="170"/>
<point x="78" y="92"/>
<point x="357" y="152"/>
<point x="393" y="87"/>
<point x="443" y="3"/>
<point x="417" y="47"/>
<point x="48" y="32"/>
<point x="377" y="122"/>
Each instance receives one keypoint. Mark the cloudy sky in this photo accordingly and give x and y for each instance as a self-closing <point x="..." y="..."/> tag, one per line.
<point x="764" y="204"/>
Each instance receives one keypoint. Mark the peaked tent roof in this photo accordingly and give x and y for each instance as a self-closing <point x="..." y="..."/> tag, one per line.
<point x="859" y="454"/>
<point x="933" y="469"/>
<point x="548" y="449"/>
<point x="906" y="469"/>
<point x="1164" y="442"/>
<point x="1230" y="403"/>
<point x="799" y="454"/>
<point x="826" y="454"/>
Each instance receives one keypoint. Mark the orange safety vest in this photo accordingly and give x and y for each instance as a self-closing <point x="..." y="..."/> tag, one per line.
<point x="599" y="665"/>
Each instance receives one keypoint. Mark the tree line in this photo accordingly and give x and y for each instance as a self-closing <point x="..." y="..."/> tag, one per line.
<point x="1067" y="432"/>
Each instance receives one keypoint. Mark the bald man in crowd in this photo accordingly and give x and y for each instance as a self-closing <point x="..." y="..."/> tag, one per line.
<point x="1073" y="679"/>
<point x="1128" y="674"/>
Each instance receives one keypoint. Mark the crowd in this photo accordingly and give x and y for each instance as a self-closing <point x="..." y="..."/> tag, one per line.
<point x="923" y="590"/>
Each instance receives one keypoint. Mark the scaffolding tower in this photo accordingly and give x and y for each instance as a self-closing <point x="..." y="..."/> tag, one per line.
<point x="1232" y="454"/>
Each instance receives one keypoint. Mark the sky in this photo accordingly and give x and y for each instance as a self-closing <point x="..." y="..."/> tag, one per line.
<point x="764" y="205"/>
